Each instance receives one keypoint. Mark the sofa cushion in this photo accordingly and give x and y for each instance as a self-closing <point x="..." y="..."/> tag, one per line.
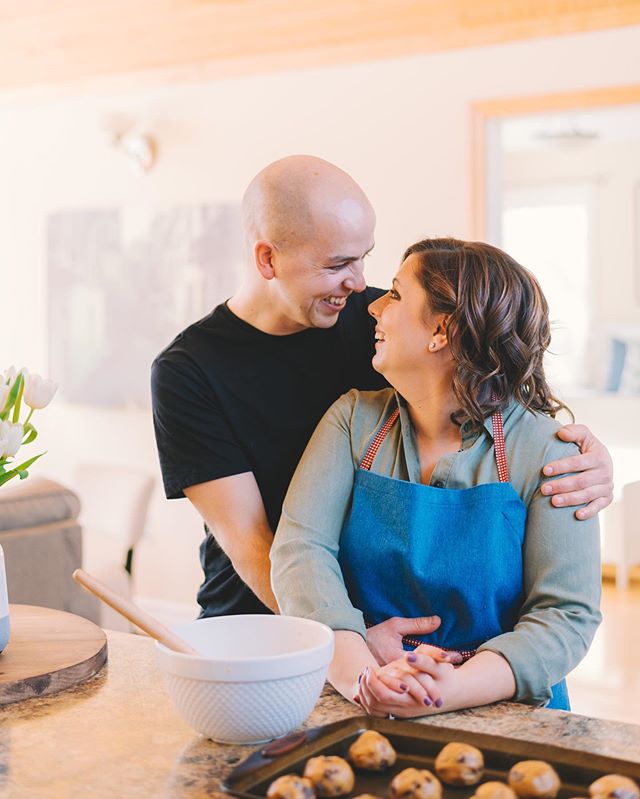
<point x="34" y="502"/>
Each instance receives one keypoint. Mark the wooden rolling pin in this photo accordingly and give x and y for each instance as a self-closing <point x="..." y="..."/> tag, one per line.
<point x="133" y="613"/>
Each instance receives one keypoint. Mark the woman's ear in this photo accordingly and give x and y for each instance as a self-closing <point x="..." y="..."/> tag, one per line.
<point x="263" y="253"/>
<point x="439" y="338"/>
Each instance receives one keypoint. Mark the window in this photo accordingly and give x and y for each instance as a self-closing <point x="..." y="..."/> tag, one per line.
<point x="548" y="229"/>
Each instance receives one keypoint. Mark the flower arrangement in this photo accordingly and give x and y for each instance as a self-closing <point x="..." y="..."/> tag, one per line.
<point x="18" y="389"/>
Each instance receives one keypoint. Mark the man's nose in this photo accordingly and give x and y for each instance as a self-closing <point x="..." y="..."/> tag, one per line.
<point x="355" y="281"/>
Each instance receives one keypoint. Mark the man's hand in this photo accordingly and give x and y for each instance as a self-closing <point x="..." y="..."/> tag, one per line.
<point x="594" y="484"/>
<point x="385" y="639"/>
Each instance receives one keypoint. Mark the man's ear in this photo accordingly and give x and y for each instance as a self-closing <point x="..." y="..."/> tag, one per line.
<point x="263" y="254"/>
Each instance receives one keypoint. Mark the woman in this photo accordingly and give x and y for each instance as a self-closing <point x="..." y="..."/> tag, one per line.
<point x="424" y="499"/>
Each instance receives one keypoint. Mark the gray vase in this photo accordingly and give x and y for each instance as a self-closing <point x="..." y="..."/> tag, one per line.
<point x="4" y="605"/>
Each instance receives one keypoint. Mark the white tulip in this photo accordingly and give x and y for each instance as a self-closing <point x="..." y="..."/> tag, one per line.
<point x="11" y="436"/>
<point x="6" y="383"/>
<point x="4" y="395"/>
<point x="38" y="391"/>
<point x="10" y="375"/>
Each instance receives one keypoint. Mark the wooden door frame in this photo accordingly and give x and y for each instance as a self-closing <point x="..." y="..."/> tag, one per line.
<point x="483" y="111"/>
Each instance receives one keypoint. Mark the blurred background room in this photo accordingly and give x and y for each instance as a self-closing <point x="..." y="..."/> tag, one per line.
<point x="129" y="131"/>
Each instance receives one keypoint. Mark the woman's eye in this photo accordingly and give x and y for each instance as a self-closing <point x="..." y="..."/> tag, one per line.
<point x="393" y="294"/>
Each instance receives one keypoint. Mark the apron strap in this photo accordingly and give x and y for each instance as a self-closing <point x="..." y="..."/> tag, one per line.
<point x="498" y="447"/>
<point x="371" y="453"/>
<point x="498" y="444"/>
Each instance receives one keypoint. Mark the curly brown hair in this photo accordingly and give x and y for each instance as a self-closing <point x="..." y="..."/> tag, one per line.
<point x="498" y="328"/>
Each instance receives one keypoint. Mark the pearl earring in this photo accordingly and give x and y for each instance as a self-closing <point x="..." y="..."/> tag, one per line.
<point x="432" y="346"/>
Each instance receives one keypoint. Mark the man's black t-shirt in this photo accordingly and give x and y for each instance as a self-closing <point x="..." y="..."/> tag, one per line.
<point x="228" y="399"/>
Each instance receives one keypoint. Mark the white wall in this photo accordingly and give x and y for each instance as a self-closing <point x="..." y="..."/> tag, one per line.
<point x="402" y="128"/>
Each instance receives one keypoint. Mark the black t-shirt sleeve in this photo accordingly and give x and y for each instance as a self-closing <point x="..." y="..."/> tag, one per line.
<point x="195" y="441"/>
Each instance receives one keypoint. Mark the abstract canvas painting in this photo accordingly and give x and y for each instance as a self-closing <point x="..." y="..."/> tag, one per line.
<point x="123" y="282"/>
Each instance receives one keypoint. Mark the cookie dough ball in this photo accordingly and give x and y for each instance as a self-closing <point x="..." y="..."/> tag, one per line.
<point x="494" y="790"/>
<point x="372" y="751"/>
<point x="460" y="764"/>
<point x="329" y="775"/>
<point x="614" y="786"/>
<point x="291" y="786"/>
<point x="414" y="783"/>
<point x="534" y="779"/>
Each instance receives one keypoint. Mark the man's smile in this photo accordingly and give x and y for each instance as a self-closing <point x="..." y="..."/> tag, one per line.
<point x="335" y="301"/>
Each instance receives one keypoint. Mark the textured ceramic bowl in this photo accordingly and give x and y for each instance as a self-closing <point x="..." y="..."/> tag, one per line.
<point x="258" y="677"/>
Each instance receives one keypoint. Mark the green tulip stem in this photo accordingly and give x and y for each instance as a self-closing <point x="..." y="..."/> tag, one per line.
<point x="16" y="407"/>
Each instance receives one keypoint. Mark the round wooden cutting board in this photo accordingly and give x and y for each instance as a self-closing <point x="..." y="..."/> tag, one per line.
<point x="48" y="651"/>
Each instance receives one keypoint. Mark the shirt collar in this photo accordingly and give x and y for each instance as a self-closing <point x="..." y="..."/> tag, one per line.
<point x="467" y="432"/>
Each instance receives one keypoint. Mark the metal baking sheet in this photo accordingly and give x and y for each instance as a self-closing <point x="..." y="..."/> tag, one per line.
<point x="417" y="745"/>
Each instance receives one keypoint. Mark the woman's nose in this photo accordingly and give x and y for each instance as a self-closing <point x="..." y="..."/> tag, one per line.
<point x="376" y="307"/>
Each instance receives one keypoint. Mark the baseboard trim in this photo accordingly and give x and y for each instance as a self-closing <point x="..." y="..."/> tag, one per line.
<point x="609" y="574"/>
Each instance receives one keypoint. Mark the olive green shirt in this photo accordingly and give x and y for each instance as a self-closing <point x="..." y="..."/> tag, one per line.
<point x="561" y="556"/>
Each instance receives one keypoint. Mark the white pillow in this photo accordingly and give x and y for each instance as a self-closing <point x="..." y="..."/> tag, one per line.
<point x="630" y="380"/>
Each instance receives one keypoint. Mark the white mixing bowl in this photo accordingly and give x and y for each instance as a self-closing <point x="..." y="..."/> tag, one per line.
<point x="258" y="677"/>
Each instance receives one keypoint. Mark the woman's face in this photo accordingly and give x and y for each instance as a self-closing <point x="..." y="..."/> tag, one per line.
<point x="405" y="325"/>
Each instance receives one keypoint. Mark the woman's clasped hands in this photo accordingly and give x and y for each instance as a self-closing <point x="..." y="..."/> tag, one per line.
<point x="413" y="685"/>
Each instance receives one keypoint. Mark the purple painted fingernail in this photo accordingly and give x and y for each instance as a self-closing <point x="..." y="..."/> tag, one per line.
<point x="411" y="657"/>
<point x="439" y="703"/>
<point x="359" y="678"/>
<point x="427" y="701"/>
<point x="404" y="687"/>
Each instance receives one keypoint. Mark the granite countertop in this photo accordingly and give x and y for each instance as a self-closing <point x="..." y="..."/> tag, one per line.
<point x="117" y="735"/>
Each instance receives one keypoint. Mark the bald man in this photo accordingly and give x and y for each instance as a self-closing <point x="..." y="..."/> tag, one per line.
<point x="237" y="395"/>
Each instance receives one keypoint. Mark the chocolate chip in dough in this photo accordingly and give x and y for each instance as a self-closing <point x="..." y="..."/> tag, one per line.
<point x="614" y="786"/>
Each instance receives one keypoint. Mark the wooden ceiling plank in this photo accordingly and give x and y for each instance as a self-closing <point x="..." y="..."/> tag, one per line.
<point x="51" y="40"/>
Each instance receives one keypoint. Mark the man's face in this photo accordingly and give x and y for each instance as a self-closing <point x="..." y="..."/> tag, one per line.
<point x="315" y="277"/>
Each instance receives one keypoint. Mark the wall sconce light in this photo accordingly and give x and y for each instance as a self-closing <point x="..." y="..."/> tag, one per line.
<point x="141" y="148"/>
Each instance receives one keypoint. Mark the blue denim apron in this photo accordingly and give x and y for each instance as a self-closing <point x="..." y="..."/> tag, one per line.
<point x="409" y="549"/>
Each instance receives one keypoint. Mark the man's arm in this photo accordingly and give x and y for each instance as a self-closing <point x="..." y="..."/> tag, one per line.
<point x="199" y="450"/>
<point x="594" y="482"/>
<point x="233" y="509"/>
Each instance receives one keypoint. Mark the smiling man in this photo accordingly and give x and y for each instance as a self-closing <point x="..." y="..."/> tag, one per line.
<point x="237" y="395"/>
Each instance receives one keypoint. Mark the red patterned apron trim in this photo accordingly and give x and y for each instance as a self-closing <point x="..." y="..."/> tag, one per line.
<point x="465" y="653"/>
<point x="498" y="447"/>
<point x="377" y="441"/>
